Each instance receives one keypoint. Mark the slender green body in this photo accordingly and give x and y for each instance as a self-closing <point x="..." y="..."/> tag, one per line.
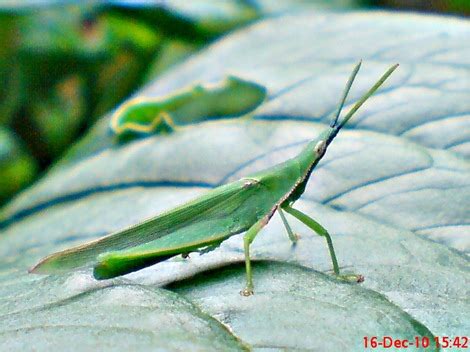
<point x="218" y="214"/>
<point x="244" y="205"/>
<point x="240" y="205"/>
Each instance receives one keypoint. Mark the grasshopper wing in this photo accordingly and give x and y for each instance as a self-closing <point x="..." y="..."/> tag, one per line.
<point x="256" y="197"/>
<point x="214" y="216"/>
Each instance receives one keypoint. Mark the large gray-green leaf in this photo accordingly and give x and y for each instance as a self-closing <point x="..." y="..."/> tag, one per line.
<point x="393" y="189"/>
<point x="76" y="314"/>
<point x="294" y="297"/>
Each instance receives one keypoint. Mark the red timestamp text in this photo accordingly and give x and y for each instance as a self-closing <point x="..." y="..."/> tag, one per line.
<point x="457" y="342"/>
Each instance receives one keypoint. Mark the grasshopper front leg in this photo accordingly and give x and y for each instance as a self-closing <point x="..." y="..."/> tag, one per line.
<point x="321" y="231"/>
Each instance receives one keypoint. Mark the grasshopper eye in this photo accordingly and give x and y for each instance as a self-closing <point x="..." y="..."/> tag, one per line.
<point x="320" y="148"/>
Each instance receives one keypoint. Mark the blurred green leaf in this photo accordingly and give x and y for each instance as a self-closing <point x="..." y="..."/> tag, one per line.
<point x="272" y="7"/>
<point x="17" y="167"/>
<point x="196" y="21"/>
<point x="171" y="52"/>
<point x="134" y="45"/>
<point x="55" y="41"/>
<point x="135" y="36"/>
<point x="58" y="116"/>
<point x="10" y="76"/>
<point x="393" y="190"/>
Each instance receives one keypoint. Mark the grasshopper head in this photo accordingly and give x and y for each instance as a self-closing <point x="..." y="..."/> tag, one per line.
<point x="321" y="143"/>
<point x="327" y="136"/>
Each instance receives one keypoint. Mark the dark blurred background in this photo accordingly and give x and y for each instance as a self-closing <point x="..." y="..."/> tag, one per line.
<point x="63" y="66"/>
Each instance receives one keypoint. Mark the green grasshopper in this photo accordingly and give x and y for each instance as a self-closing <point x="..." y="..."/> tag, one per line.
<point x="244" y="205"/>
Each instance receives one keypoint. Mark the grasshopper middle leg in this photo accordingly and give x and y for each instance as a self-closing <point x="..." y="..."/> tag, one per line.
<point x="292" y="236"/>
<point x="247" y="240"/>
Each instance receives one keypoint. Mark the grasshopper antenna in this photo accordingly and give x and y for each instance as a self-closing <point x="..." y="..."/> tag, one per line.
<point x="366" y="96"/>
<point x="345" y="93"/>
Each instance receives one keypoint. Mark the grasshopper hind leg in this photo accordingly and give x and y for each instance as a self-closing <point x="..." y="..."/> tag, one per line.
<point x="321" y="231"/>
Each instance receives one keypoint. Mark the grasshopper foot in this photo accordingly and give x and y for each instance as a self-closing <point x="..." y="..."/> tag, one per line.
<point x="246" y="292"/>
<point x="351" y="278"/>
<point x="295" y="238"/>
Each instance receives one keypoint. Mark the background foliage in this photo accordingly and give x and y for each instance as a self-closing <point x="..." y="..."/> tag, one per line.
<point x="63" y="67"/>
